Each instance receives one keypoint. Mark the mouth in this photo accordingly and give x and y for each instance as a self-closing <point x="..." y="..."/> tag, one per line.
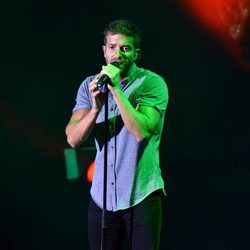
<point x="121" y="63"/>
<point x="118" y="64"/>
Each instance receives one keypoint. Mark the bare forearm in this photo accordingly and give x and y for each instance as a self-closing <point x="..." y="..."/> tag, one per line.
<point x="135" y="121"/>
<point x="78" y="130"/>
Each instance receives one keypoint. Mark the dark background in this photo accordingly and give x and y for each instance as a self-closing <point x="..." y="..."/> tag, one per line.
<point x="47" y="48"/>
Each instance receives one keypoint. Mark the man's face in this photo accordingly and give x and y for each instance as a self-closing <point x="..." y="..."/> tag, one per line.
<point x="120" y="48"/>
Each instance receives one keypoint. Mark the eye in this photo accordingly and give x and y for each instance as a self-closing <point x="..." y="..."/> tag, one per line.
<point x="111" y="47"/>
<point x="125" y="48"/>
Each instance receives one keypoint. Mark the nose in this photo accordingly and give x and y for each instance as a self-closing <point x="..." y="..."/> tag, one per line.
<point x="118" y="53"/>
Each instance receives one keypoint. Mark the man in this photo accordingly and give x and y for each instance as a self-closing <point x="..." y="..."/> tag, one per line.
<point x="137" y="100"/>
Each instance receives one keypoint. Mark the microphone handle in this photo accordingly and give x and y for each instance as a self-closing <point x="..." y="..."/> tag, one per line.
<point x="103" y="80"/>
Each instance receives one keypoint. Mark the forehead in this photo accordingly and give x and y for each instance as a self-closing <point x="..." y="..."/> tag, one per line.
<point x="119" y="39"/>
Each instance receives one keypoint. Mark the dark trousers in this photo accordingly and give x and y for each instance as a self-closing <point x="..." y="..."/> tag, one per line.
<point x="141" y="224"/>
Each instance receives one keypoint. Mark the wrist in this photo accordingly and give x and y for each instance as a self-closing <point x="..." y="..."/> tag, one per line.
<point x="116" y="90"/>
<point x="95" y="111"/>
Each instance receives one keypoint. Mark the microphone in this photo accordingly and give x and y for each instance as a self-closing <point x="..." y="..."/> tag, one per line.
<point x="104" y="79"/>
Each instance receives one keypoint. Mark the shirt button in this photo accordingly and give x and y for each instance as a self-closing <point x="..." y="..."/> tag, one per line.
<point x="112" y="183"/>
<point x="111" y="128"/>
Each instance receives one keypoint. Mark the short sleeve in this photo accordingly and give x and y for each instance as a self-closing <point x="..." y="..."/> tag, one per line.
<point x="83" y="98"/>
<point x="154" y="93"/>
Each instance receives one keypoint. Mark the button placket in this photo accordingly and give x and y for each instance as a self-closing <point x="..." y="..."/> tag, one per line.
<point x="112" y="150"/>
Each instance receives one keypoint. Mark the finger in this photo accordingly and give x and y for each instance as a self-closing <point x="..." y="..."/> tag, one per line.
<point x="93" y="85"/>
<point x="95" y="93"/>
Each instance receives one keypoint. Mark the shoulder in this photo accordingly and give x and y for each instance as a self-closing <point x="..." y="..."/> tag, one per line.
<point x="84" y="85"/>
<point x="86" y="81"/>
<point x="153" y="81"/>
<point x="150" y="75"/>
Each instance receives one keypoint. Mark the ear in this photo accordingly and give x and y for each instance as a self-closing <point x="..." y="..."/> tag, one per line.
<point x="137" y="55"/>
<point x="103" y="49"/>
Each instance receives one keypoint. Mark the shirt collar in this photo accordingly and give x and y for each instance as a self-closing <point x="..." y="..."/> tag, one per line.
<point x="131" y="73"/>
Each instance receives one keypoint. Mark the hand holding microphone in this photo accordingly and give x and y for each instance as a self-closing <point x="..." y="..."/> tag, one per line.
<point x="105" y="78"/>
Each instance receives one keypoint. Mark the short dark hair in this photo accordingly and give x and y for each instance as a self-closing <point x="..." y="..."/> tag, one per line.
<point x="124" y="27"/>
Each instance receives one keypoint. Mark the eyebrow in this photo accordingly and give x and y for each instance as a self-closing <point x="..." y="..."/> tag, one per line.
<point x="124" y="45"/>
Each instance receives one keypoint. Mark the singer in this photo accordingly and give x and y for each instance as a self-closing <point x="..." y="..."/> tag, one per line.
<point x="137" y="102"/>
